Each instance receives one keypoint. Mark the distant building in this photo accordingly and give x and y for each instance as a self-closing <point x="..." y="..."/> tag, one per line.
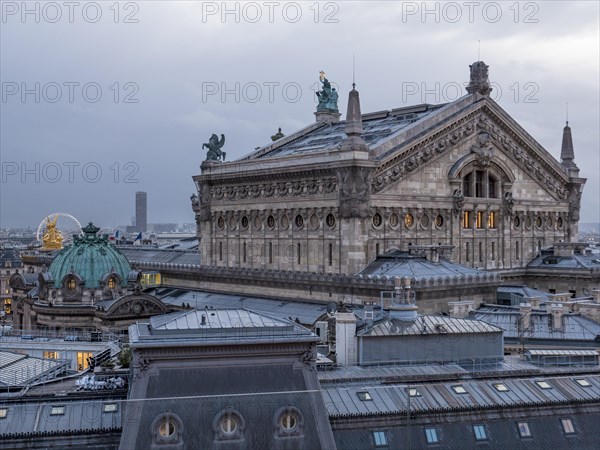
<point x="141" y="211"/>
<point x="10" y="263"/>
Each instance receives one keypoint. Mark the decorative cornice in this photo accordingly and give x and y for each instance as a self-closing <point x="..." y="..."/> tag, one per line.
<point x="281" y="189"/>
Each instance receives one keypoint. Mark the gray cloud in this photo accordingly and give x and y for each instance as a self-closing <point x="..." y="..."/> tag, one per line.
<point x="171" y="57"/>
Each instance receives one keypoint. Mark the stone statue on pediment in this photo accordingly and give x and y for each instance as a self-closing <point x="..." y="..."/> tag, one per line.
<point x="214" y="146"/>
<point x="328" y="96"/>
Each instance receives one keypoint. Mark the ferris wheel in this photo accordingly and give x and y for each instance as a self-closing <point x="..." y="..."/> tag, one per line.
<point x="65" y="223"/>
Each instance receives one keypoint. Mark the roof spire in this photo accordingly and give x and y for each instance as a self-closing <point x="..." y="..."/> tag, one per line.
<point x="567" y="153"/>
<point x="354" y="127"/>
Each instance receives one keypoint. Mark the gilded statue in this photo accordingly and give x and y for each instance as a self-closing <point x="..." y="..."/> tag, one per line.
<point x="52" y="239"/>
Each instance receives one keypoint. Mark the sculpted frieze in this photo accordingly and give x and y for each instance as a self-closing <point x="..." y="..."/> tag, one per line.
<point x="297" y="188"/>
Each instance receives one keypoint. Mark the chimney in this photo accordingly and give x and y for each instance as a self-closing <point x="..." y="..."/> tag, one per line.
<point x="345" y="338"/>
<point x="534" y="301"/>
<point x="460" y="309"/>
<point x="557" y="314"/>
<point x="525" y="315"/>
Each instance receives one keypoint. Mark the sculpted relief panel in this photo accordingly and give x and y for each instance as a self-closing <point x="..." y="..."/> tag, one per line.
<point x="481" y="125"/>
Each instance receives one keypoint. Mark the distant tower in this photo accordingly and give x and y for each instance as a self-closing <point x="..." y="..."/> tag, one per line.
<point x="141" y="211"/>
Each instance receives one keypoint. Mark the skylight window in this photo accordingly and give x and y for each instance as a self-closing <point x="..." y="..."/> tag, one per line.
<point x="380" y="438"/>
<point x="414" y="392"/>
<point x="544" y="384"/>
<point x="524" y="429"/>
<point x="431" y="436"/>
<point x="459" y="389"/>
<point x="109" y="407"/>
<point x="500" y="387"/>
<point x="57" y="411"/>
<point x="480" y="433"/>
<point x="567" y="425"/>
<point x="3" y="413"/>
<point x="364" y="396"/>
<point x="583" y="382"/>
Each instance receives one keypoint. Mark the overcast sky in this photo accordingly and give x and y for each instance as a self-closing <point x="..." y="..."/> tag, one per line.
<point x="126" y="95"/>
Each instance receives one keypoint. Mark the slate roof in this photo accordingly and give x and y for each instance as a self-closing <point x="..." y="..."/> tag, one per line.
<point x="523" y="291"/>
<point x="404" y="264"/>
<point x="9" y="257"/>
<point x="36" y="419"/>
<point x="306" y="313"/>
<point x="143" y="255"/>
<point x="428" y="325"/>
<point x="576" y="261"/>
<point x="20" y="370"/>
<point x="575" y="326"/>
<point x="221" y="325"/>
<point x="377" y="127"/>
<point x="343" y="400"/>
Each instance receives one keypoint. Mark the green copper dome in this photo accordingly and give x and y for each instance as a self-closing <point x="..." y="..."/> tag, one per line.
<point x="91" y="257"/>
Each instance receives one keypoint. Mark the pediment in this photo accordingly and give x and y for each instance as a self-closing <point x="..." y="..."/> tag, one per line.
<point x="137" y="305"/>
<point x="509" y="145"/>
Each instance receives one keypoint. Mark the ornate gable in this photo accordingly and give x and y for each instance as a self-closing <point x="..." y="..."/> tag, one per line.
<point x="457" y="139"/>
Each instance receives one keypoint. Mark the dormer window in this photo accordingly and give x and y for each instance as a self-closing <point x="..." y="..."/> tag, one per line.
<point x="112" y="283"/>
<point x="71" y="284"/>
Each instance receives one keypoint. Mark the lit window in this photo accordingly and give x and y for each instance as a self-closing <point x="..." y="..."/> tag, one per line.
<point x="228" y="424"/>
<point x="501" y="387"/>
<point x="57" y="411"/>
<point x="111" y="283"/>
<point x="3" y="413"/>
<point x="431" y="436"/>
<point x="414" y="392"/>
<point x="492" y="219"/>
<point x="288" y="422"/>
<point x="51" y="355"/>
<point x="583" y="382"/>
<point x="480" y="433"/>
<point x="364" y="396"/>
<point x="380" y="439"/>
<point x="524" y="429"/>
<point x="567" y="426"/>
<point x="166" y="428"/>
<point x="459" y="389"/>
<point x="544" y="384"/>
<point x="109" y="407"/>
<point x="467" y="219"/>
<point x="479" y="219"/>
<point x="82" y="360"/>
<point x="71" y="284"/>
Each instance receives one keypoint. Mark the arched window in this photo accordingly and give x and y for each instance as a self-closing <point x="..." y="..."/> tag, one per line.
<point x="71" y="284"/>
<point x="112" y="283"/>
<point x="481" y="184"/>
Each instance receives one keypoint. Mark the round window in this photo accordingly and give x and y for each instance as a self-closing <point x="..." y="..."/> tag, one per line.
<point x="425" y="221"/>
<point x="166" y="428"/>
<point x="244" y="222"/>
<point x="299" y="221"/>
<point x="394" y="220"/>
<point x="284" y="222"/>
<point x="517" y="222"/>
<point x="228" y="424"/>
<point x="559" y="223"/>
<point x="257" y="223"/>
<point x="221" y="222"/>
<point x="288" y="422"/>
<point x="377" y="220"/>
<point x="314" y="221"/>
<point x="409" y="220"/>
<point x="271" y="222"/>
<point x="439" y="221"/>
<point x="538" y="222"/>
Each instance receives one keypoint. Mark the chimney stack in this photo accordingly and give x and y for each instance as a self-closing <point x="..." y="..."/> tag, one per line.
<point x="557" y="314"/>
<point x="525" y="315"/>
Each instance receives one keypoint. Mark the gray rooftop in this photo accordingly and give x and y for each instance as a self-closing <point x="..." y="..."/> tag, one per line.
<point x="205" y="327"/>
<point x="144" y="255"/>
<point x="20" y="370"/>
<point x="428" y="325"/>
<point x="377" y="127"/>
<point x="574" y="326"/>
<point x="575" y="261"/>
<point x="343" y="400"/>
<point x="306" y="313"/>
<point x="404" y="264"/>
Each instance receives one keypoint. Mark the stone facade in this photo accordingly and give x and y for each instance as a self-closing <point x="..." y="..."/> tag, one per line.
<point x="464" y="174"/>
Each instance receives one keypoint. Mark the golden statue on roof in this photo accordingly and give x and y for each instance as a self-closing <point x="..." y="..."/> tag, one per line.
<point x="53" y="239"/>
